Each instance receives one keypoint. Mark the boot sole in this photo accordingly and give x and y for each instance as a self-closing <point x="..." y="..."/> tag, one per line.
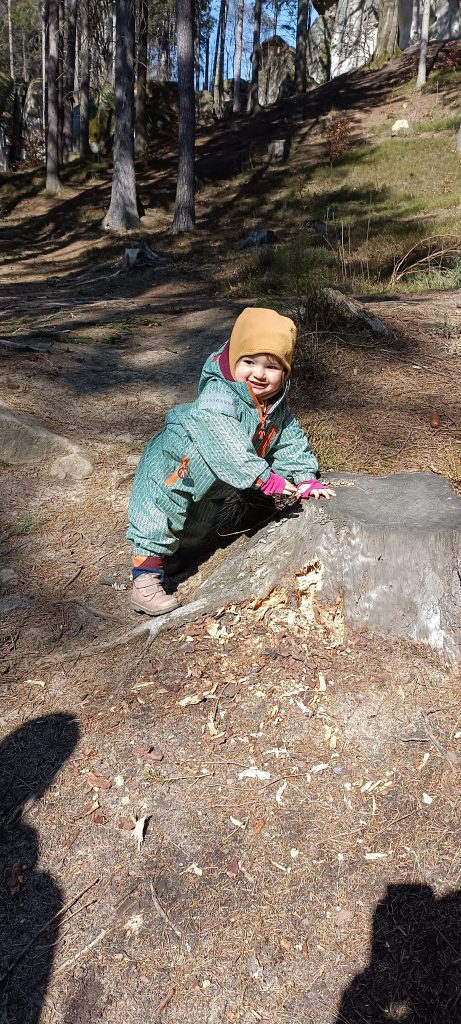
<point x="164" y="611"/>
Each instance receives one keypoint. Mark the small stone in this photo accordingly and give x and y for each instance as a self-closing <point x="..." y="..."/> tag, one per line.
<point x="400" y="127"/>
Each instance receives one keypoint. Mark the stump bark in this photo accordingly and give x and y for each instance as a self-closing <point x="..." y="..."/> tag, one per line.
<point x="389" y="548"/>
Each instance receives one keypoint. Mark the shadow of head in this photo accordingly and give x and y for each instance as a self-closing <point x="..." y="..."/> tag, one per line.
<point x="414" y="971"/>
<point x="31" y="757"/>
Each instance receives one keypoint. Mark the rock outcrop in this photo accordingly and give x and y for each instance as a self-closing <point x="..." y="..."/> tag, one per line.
<point x="23" y="441"/>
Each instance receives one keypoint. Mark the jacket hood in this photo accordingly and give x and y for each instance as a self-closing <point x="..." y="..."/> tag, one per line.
<point x="217" y="368"/>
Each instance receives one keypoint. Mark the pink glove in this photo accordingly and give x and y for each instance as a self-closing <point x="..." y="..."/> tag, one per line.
<point x="306" y="488"/>
<point x="274" y="485"/>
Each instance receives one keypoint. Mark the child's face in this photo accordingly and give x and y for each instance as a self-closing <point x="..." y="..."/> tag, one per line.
<point x="264" y="372"/>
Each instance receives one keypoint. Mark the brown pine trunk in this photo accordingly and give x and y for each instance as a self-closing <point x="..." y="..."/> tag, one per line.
<point x="255" y="58"/>
<point x="123" y="211"/>
<point x="301" y="45"/>
<point x="70" y="76"/>
<point x="207" y="60"/>
<point x="84" y="80"/>
<point x="238" y="57"/>
<point x="218" y="82"/>
<point x="141" y="83"/>
<point x="53" y="184"/>
<point x="61" y="19"/>
<point x="184" y="213"/>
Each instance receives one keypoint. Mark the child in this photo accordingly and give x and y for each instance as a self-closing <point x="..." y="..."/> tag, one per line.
<point x="238" y="434"/>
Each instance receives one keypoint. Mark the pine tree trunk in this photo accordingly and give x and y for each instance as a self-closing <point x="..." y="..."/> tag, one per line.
<point x="45" y="22"/>
<point x="198" y="29"/>
<point x="207" y="60"/>
<point x="184" y="213"/>
<point x="255" y="58"/>
<point x="238" y="57"/>
<point x="25" y="69"/>
<point x="61" y="19"/>
<point x="123" y="211"/>
<point x="84" y="80"/>
<point x="218" y="78"/>
<point x="422" y="66"/>
<point x="10" y="40"/>
<point x="388" y="26"/>
<point x="141" y="82"/>
<point x="70" y="76"/>
<point x="53" y="184"/>
<point x="301" y="45"/>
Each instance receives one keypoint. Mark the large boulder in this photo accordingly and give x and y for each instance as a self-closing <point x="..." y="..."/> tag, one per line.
<point x="445" y="21"/>
<point x="353" y="39"/>
<point x="276" y="71"/>
<point x="23" y="442"/>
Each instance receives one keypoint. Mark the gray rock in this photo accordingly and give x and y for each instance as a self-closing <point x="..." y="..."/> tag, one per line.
<point x="256" y="239"/>
<point x="400" y="127"/>
<point x="8" y="576"/>
<point x="73" y="466"/>
<point x="23" y="441"/>
<point x="11" y="603"/>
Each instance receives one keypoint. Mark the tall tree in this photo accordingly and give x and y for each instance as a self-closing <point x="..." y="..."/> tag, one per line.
<point x="141" y="80"/>
<point x="422" y="66"/>
<point x="10" y="39"/>
<point x="70" y="76"/>
<point x="218" y="78"/>
<point x="84" y="79"/>
<point x="53" y="184"/>
<point x="184" y="212"/>
<point x="122" y="214"/>
<point x="238" y="56"/>
<point x="301" y="45"/>
<point x="388" y="27"/>
<point x="255" y="57"/>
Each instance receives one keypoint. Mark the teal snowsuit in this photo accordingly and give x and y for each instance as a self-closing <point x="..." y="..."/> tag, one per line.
<point x="207" y="448"/>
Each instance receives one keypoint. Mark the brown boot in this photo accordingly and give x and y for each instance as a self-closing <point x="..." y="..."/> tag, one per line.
<point x="149" y="596"/>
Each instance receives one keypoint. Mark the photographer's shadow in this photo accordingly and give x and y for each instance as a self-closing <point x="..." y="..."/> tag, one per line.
<point x="30" y="759"/>
<point x="414" y="976"/>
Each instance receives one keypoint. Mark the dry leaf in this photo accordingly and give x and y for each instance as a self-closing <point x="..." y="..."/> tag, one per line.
<point x="237" y="823"/>
<point x="435" y="420"/>
<point x="127" y="823"/>
<point x="197" y="698"/>
<point x="322" y="683"/>
<point x="375" y="856"/>
<point x="193" y="869"/>
<point x="232" y="869"/>
<point x="139" y="829"/>
<point x="319" y="768"/>
<point x="98" y="781"/>
<point x="258" y="825"/>
<point x="285" y="944"/>
<point x="305" y="950"/>
<point x="99" y="818"/>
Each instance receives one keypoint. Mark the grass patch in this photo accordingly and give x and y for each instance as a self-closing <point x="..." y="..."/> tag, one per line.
<point x="25" y="524"/>
<point x="360" y="215"/>
<point x="441" y="125"/>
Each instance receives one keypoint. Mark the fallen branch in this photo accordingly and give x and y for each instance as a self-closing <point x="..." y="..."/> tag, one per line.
<point x="163" y="913"/>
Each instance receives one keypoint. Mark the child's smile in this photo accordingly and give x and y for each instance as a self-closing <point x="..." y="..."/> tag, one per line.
<point x="263" y="372"/>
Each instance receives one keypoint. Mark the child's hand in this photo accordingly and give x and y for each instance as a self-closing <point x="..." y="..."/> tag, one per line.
<point x="315" y="489"/>
<point x="290" y="489"/>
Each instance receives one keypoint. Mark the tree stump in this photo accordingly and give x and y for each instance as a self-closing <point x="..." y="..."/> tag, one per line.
<point x="387" y="548"/>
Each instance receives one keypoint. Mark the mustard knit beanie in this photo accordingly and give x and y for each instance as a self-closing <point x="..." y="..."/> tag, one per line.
<point x="258" y="331"/>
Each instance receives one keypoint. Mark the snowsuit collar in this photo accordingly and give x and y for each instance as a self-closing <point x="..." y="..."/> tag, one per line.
<point x="217" y="368"/>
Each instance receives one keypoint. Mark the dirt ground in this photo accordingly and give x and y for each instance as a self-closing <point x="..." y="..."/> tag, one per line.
<point x="257" y="818"/>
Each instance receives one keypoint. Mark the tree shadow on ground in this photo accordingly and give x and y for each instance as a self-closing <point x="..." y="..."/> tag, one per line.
<point x="30" y="759"/>
<point x="414" y="973"/>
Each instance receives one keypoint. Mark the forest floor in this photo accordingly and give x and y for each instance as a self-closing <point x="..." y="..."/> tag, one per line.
<point x="250" y="898"/>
